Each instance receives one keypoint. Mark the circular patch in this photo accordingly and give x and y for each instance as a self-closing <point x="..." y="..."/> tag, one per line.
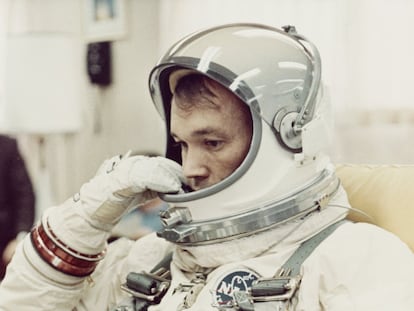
<point x="236" y="280"/>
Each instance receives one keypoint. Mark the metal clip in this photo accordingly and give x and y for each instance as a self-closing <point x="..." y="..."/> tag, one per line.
<point x="243" y="301"/>
<point x="156" y="293"/>
<point x="183" y="287"/>
<point x="278" y="288"/>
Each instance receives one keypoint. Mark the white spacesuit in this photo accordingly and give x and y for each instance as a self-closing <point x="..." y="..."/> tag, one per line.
<point x="229" y="238"/>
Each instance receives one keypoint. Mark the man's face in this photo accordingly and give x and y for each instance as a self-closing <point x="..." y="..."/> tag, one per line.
<point x="214" y="137"/>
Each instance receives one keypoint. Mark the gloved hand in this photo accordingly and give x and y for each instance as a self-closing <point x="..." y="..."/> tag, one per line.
<point x="124" y="183"/>
<point x="72" y="237"/>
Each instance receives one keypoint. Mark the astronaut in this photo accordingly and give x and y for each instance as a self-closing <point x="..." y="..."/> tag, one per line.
<point x="256" y="216"/>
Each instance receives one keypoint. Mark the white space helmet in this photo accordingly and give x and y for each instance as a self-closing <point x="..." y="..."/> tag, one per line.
<point x="285" y="174"/>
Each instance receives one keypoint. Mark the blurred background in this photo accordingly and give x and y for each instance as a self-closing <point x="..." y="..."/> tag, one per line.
<point x="74" y="76"/>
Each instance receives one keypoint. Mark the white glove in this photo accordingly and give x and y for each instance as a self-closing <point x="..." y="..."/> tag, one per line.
<point x="79" y="227"/>
<point x="124" y="183"/>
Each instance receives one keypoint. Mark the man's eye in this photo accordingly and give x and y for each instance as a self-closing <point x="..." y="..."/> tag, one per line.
<point x="213" y="143"/>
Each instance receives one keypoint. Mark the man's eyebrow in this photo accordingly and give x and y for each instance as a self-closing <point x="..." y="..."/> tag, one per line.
<point x="206" y="131"/>
<point x="202" y="132"/>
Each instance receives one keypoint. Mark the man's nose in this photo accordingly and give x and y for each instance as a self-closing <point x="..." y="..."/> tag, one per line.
<point x="194" y="164"/>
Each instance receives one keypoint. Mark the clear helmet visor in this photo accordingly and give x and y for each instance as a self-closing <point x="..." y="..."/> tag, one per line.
<point x="274" y="72"/>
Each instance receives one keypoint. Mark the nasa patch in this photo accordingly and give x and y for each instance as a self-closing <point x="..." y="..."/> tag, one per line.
<point x="236" y="280"/>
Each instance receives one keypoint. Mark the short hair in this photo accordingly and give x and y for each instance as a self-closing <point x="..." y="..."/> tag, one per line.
<point x="191" y="88"/>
